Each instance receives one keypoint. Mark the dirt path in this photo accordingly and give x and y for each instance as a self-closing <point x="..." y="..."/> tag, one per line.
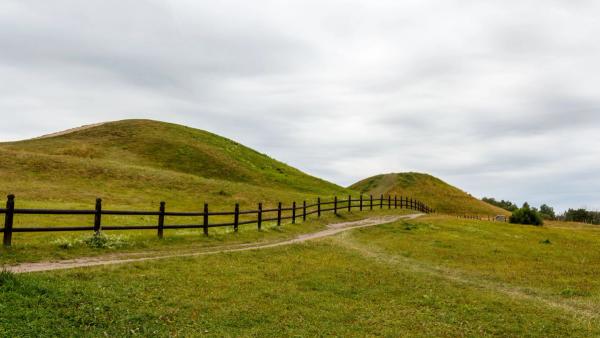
<point x="331" y="230"/>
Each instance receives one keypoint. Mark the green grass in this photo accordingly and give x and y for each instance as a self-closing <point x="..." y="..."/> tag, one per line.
<point x="435" y="276"/>
<point x="437" y="194"/>
<point x="553" y="261"/>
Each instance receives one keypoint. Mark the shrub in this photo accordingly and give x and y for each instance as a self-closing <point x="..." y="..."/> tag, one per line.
<point x="526" y="215"/>
<point x="102" y="241"/>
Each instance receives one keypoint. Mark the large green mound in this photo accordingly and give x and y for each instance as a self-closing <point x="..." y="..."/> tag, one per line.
<point x="143" y="161"/>
<point x="434" y="192"/>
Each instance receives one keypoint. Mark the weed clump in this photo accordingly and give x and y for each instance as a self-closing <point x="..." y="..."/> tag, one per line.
<point x="569" y="292"/>
<point x="102" y="241"/>
<point x="66" y="243"/>
<point x="96" y="241"/>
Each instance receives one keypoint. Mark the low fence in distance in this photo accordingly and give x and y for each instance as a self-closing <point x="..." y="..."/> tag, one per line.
<point x="298" y="211"/>
<point x="499" y="218"/>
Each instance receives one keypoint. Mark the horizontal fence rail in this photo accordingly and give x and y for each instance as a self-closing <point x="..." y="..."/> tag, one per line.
<point x="298" y="212"/>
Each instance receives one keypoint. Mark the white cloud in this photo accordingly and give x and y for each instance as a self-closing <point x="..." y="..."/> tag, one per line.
<point x="499" y="98"/>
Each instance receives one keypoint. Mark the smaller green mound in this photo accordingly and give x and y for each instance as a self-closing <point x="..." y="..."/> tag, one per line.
<point x="434" y="192"/>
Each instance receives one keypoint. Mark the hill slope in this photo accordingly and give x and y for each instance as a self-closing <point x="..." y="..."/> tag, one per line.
<point x="143" y="161"/>
<point x="433" y="191"/>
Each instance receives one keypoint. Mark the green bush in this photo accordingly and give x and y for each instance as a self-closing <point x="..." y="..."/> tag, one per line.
<point x="526" y="215"/>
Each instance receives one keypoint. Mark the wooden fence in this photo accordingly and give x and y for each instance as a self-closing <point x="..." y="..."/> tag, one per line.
<point x="499" y="218"/>
<point x="262" y="215"/>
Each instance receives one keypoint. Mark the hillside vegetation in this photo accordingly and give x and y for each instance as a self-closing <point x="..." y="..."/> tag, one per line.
<point x="434" y="192"/>
<point x="140" y="162"/>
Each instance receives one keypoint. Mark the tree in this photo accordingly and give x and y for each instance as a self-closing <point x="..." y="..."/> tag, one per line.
<point x="547" y="212"/>
<point x="526" y="215"/>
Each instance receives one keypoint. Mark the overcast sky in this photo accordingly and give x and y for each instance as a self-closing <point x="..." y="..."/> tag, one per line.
<point x="498" y="98"/>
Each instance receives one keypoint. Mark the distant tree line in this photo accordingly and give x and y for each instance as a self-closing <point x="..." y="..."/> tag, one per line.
<point x="508" y="205"/>
<point x="581" y="215"/>
<point x="529" y="215"/>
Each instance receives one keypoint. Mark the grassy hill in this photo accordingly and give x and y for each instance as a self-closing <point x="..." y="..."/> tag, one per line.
<point x="433" y="191"/>
<point x="140" y="162"/>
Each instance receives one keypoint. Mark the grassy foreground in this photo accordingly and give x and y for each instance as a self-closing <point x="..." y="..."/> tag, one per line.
<point x="434" y="276"/>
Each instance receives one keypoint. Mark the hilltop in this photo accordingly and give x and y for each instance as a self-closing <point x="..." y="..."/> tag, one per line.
<point x="137" y="162"/>
<point x="434" y="192"/>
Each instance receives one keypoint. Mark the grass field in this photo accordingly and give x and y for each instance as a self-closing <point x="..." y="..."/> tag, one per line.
<point x="433" y="276"/>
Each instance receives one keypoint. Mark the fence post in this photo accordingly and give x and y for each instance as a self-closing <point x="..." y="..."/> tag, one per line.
<point x="349" y="202"/>
<point x="236" y="217"/>
<point x="293" y="212"/>
<point x="259" y="216"/>
<point x="205" y="219"/>
<point x="161" y="220"/>
<point x="8" y="220"/>
<point x="395" y="202"/>
<point x="381" y="201"/>
<point x="319" y="206"/>
<point x="361" y="202"/>
<point x="98" y="216"/>
<point x="335" y="205"/>
<point x="279" y="214"/>
<point x="411" y="204"/>
<point x="304" y="211"/>
<point x="389" y="202"/>
<point x="371" y="204"/>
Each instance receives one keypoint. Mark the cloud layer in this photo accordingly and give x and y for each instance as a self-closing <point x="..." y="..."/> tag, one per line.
<point x="498" y="98"/>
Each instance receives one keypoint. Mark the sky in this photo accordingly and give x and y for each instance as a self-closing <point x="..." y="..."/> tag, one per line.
<point x="498" y="98"/>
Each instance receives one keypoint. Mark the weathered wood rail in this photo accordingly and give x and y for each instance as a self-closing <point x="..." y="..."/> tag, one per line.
<point x="262" y="215"/>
